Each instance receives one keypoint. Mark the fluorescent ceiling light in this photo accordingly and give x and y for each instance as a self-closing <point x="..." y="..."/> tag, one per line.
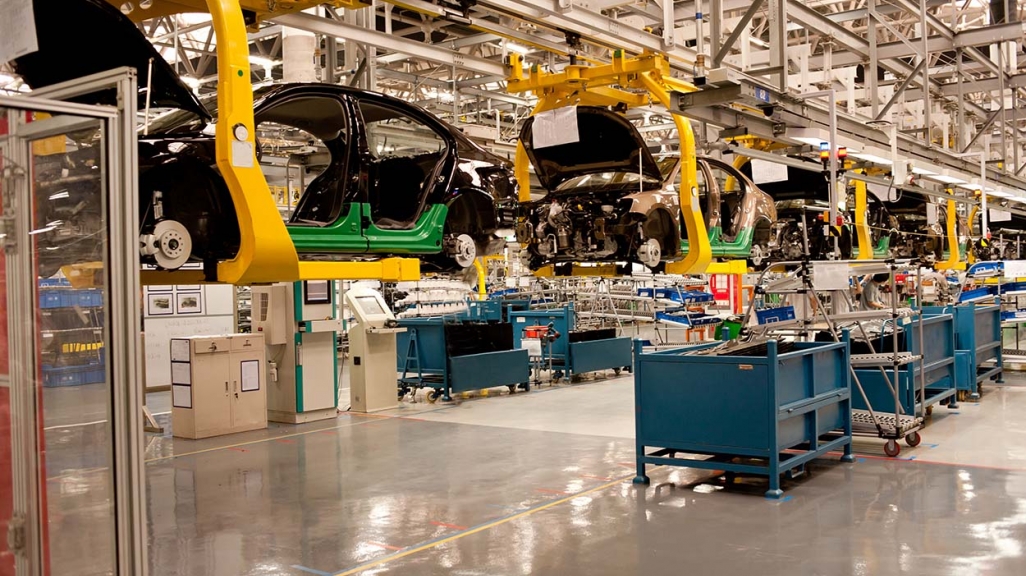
<point x="946" y="179"/>
<point x="872" y="158"/>
<point x="191" y="81"/>
<point x="6" y="79"/>
<point x="998" y="194"/>
<point x="261" y="61"/>
<point x="922" y="171"/>
<point x="518" y="48"/>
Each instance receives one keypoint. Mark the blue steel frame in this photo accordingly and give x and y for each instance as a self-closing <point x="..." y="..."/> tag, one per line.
<point x="759" y="409"/>
<point x="572" y="357"/>
<point x="938" y="364"/>
<point x="422" y="351"/>
<point x="978" y="333"/>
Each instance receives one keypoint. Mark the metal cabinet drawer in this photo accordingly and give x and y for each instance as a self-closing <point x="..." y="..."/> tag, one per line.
<point x="211" y="345"/>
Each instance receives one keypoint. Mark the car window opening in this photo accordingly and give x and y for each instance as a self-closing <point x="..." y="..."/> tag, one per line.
<point x="406" y="157"/>
<point x="304" y="141"/>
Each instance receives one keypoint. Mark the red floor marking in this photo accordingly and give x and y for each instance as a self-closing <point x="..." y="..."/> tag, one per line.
<point x="237" y="449"/>
<point x="550" y="491"/>
<point x="385" y="546"/>
<point x="603" y="478"/>
<point x="627" y="464"/>
<point x="447" y="525"/>
<point x="286" y="441"/>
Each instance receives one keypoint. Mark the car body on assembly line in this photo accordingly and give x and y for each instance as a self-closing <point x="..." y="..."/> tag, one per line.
<point x="383" y="176"/>
<point x="738" y="214"/>
<point x="606" y="198"/>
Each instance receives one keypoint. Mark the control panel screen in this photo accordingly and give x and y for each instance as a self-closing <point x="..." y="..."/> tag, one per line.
<point x="370" y="306"/>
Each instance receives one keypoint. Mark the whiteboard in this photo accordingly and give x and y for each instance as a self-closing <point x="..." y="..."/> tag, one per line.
<point x="218" y="317"/>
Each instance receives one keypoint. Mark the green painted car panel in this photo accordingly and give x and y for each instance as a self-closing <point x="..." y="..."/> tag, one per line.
<point x="344" y="236"/>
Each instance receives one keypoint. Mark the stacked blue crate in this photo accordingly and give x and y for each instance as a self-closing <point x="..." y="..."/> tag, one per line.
<point x="73" y="368"/>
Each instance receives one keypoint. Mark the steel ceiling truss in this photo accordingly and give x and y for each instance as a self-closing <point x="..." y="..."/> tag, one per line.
<point x="937" y="60"/>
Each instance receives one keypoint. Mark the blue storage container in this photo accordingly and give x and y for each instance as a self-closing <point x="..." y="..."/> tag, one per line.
<point x="54" y="377"/>
<point x="764" y="414"/>
<point x="771" y="315"/>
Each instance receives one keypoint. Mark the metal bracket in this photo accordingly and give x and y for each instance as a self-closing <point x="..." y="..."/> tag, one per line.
<point x="16" y="540"/>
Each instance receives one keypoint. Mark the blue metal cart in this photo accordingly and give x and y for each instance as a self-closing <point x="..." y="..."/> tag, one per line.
<point x="978" y="336"/>
<point x="766" y="414"/>
<point x="427" y="358"/>
<point x="571" y="353"/>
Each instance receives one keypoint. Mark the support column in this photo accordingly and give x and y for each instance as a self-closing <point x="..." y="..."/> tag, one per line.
<point x="870" y="72"/>
<point x="778" y="40"/>
<point x="298" y="52"/>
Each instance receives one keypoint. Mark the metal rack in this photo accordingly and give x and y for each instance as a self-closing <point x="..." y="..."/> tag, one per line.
<point x="892" y="426"/>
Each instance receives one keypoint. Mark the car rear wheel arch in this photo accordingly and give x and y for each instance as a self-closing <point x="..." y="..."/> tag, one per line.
<point x="194" y="195"/>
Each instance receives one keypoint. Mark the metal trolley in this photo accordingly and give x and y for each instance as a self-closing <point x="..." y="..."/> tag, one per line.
<point x="893" y="367"/>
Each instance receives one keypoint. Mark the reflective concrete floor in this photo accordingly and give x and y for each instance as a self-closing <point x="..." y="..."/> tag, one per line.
<point x="539" y="483"/>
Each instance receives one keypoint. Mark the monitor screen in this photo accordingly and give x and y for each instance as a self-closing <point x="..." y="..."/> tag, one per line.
<point x="317" y="292"/>
<point x="370" y="305"/>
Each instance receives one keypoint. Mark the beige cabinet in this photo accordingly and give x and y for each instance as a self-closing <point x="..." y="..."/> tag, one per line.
<point x="218" y="385"/>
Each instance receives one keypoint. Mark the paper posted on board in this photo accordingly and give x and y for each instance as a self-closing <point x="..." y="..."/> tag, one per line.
<point x="555" y="127"/>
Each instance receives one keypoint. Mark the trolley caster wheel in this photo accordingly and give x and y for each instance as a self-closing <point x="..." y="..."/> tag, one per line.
<point x="929" y="410"/>
<point x="526" y="386"/>
<point x="913" y="439"/>
<point x="616" y="371"/>
<point x="892" y="448"/>
<point x="433" y="396"/>
<point x="512" y="388"/>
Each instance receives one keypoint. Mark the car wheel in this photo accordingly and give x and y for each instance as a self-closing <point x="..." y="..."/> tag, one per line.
<point x="757" y="255"/>
<point x="169" y="244"/>
<point x="462" y="249"/>
<point x="650" y="253"/>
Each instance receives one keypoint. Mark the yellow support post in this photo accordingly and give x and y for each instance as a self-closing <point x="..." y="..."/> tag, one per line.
<point x="954" y="258"/>
<point x="861" y="226"/>
<point x="482" y="291"/>
<point x="971" y="256"/>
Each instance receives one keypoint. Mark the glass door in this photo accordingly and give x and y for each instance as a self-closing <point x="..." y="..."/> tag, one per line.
<point x="63" y="425"/>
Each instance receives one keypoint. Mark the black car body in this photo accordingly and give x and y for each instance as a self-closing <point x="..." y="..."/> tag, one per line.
<point x="442" y="195"/>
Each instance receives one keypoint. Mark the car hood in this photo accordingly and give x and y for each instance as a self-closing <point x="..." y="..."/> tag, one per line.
<point x="81" y="37"/>
<point x="607" y="142"/>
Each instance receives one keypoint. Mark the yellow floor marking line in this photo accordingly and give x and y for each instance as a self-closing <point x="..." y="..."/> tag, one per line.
<point x="480" y="528"/>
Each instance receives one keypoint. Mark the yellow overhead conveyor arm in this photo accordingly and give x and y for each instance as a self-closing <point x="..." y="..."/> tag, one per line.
<point x="954" y="257"/>
<point x="266" y="252"/>
<point x="866" y="248"/>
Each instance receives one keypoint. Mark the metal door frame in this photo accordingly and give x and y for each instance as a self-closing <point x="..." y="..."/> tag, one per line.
<point x="124" y="357"/>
